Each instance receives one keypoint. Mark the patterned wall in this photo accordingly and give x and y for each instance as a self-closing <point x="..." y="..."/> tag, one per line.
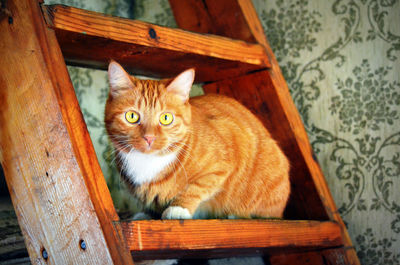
<point x="341" y="59"/>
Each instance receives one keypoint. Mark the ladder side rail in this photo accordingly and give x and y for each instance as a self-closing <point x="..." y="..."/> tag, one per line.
<point x="59" y="194"/>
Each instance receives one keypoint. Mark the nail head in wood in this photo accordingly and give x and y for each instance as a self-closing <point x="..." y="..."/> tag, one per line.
<point x="45" y="255"/>
<point x="152" y="33"/>
<point x="82" y="244"/>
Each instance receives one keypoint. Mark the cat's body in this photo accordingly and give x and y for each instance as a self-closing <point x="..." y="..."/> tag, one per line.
<point x="214" y="157"/>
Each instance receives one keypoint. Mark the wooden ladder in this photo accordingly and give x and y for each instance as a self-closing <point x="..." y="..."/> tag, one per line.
<point x="60" y="196"/>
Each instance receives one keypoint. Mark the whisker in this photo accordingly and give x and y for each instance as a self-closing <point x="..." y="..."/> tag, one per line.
<point x="177" y="159"/>
<point x="183" y="151"/>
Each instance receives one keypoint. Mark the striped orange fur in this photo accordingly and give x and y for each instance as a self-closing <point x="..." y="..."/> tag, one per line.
<point x="218" y="157"/>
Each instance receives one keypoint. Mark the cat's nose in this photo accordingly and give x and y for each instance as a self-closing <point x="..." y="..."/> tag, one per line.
<point x="149" y="139"/>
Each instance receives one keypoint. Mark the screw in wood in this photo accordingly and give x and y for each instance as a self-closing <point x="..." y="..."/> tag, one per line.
<point x="82" y="244"/>
<point x="44" y="254"/>
<point x="152" y="33"/>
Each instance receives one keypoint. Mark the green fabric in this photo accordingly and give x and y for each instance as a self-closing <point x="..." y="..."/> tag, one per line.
<point x="341" y="60"/>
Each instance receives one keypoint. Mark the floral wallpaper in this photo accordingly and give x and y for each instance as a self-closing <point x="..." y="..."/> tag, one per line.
<point x="341" y="60"/>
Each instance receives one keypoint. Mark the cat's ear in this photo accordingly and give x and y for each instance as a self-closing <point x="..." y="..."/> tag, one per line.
<point x="182" y="84"/>
<point x="119" y="79"/>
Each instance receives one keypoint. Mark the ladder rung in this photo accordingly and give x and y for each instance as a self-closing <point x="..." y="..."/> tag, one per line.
<point x="179" y="238"/>
<point x="91" y="39"/>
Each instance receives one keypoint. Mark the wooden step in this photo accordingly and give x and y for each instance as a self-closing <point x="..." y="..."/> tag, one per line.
<point x="91" y="39"/>
<point x="221" y="238"/>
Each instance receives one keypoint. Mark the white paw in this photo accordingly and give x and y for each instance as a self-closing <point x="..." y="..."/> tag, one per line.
<point x="176" y="212"/>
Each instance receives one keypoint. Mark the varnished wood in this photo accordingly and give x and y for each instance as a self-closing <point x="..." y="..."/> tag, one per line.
<point x="92" y="39"/>
<point x="153" y="239"/>
<point x="55" y="182"/>
<point x="222" y="17"/>
<point x="334" y="256"/>
<point x="236" y="19"/>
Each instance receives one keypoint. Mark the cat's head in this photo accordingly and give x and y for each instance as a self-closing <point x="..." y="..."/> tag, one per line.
<point x="151" y="116"/>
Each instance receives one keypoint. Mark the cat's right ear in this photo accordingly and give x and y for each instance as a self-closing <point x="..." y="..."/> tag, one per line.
<point x="119" y="79"/>
<point x="182" y="84"/>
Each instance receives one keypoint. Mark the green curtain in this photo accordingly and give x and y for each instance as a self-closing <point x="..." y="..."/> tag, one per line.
<point x="341" y="60"/>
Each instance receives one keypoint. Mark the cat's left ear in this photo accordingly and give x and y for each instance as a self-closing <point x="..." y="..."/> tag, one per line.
<point x="182" y="84"/>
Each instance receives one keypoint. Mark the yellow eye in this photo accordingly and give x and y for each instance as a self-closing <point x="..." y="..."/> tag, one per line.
<point x="132" y="116"/>
<point x="166" y="118"/>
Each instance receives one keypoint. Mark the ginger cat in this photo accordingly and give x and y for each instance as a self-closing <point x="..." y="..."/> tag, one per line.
<point x="182" y="156"/>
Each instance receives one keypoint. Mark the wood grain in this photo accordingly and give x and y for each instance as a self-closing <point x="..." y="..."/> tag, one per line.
<point x="92" y="39"/>
<point x="332" y="256"/>
<point x="58" y="192"/>
<point x="222" y="17"/>
<point x="153" y="239"/>
<point x="236" y="19"/>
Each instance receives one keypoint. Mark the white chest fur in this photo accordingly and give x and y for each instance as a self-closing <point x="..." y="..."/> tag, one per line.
<point x="143" y="168"/>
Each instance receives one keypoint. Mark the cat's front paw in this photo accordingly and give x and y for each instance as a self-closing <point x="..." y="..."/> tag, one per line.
<point x="176" y="212"/>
